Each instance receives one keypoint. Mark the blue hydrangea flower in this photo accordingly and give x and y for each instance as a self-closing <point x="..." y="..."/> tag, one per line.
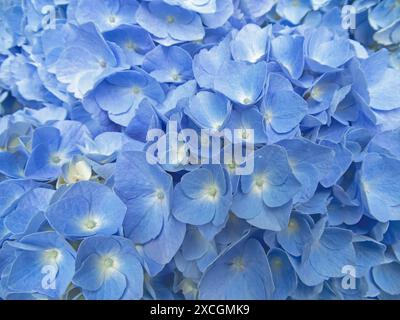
<point x="86" y="209"/>
<point x="103" y="148"/>
<point x="91" y="96"/>
<point x="97" y="59"/>
<point x="265" y="197"/>
<point x="283" y="274"/>
<point x="283" y="110"/>
<point x="386" y="277"/>
<point x="209" y="110"/>
<point x="196" y="254"/>
<point x="380" y="187"/>
<point x="11" y="15"/>
<point x="207" y="6"/>
<point x="171" y="64"/>
<point x="297" y="235"/>
<point x="106" y="15"/>
<point x="308" y="171"/>
<point x="288" y="52"/>
<point x="108" y="268"/>
<point x="319" y="45"/>
<point x="207" y="63"/>
<point x="146" y="190"/>
<point x="325" y="255"/>
<point x="293" y="11"/>
<point x="224" y="11"/>
<point x="250" y="44"/>
<point x="133" y="40"/>
<point x="169" y="24"/>
<point x="36" y="256"/>
<point x="384" y="14"/>
<point x="164" y="247"/>
<point x="53" y="146"/>
<point x="241" y="82"/>
<point x="130" y="88"/>
<point x="241" y="272"/>
<point x="256" y="9"/>
<point x="245" y="120"/>
<point x="26" y="215"/>
<point x="203" y="196"/>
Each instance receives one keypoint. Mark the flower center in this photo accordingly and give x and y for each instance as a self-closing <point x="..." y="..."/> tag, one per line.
<point x="295" y="3"/>
<point x="130" y="45"/>
<point x="316" y="92"/>
<point x="293" y="225"/>
<point x="103" y="64"/>
<point x="160" y="195"/>
<point x="108" y="263"/>
<point x="136" y="90"/>
<point x="112" y="19"/>
<point x="246" y="100"/>
<point x="268" y="116"/>
<point x="238" y="264"/>
<point x="212" y="192"/>
<point x="277" y="263"/>
<point x="188" y="286"/>
<point x="90" y="224"/>
<point x="260" y="182"/>
<point x="366" y="187"/>
<point x="245" y="134"/>
<point x="51" y="255"/>
<point x="232" y="166"/>
<point x="55" y="159"/>
<point x="170" y="19"/>
<point x="176" y="76"/>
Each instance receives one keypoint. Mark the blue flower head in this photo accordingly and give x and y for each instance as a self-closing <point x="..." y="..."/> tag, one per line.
<point x="283" y="111"/>
<point x="108" y="268"/>
<point x="168" y="64"/>
<point x="53" y="146"/>
<point x="293" y="11"/>
<point x="26" y="214"/>
<point x="133" y="40"/>
<point x="207" y="63"/>
<point x="100" y="200"/>
<point x="309" y="171"/>
<point x="106" y="15"/>
<point x="169" y="24"/>
<point x="207" y="6"/>
<point x="97" y="59"/>
<point x="146" y="190"/>
<point x="319" y="45"/>
<point x="209" y="110"/>
<point x="288" y="52"/>
<point x="265" y="197"/>
<point x="86" y="209"/>
<point x="380" y="187"/>
<point x="12" y="15"/>
<point x="129" y="89"/>
<point x="250" y="44"/>
<point x="241" y="272"/>
<point x="203" y="196"/>
<point x="283" y="274"/>
<point x="241" y="82"/>
<point x="35" y="256"/>
<point x="325" y="255"/>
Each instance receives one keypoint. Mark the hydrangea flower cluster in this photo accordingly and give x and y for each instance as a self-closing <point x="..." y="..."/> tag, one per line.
<point x="84" y="215"/>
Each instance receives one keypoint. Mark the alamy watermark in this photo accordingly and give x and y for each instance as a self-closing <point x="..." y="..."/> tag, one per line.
<point x="349" y="278"/>
<point x="349" y="14"/>
<point x="231" y="147"/>
<point x="49" y="279"/>
<point x="49" y="18"/>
